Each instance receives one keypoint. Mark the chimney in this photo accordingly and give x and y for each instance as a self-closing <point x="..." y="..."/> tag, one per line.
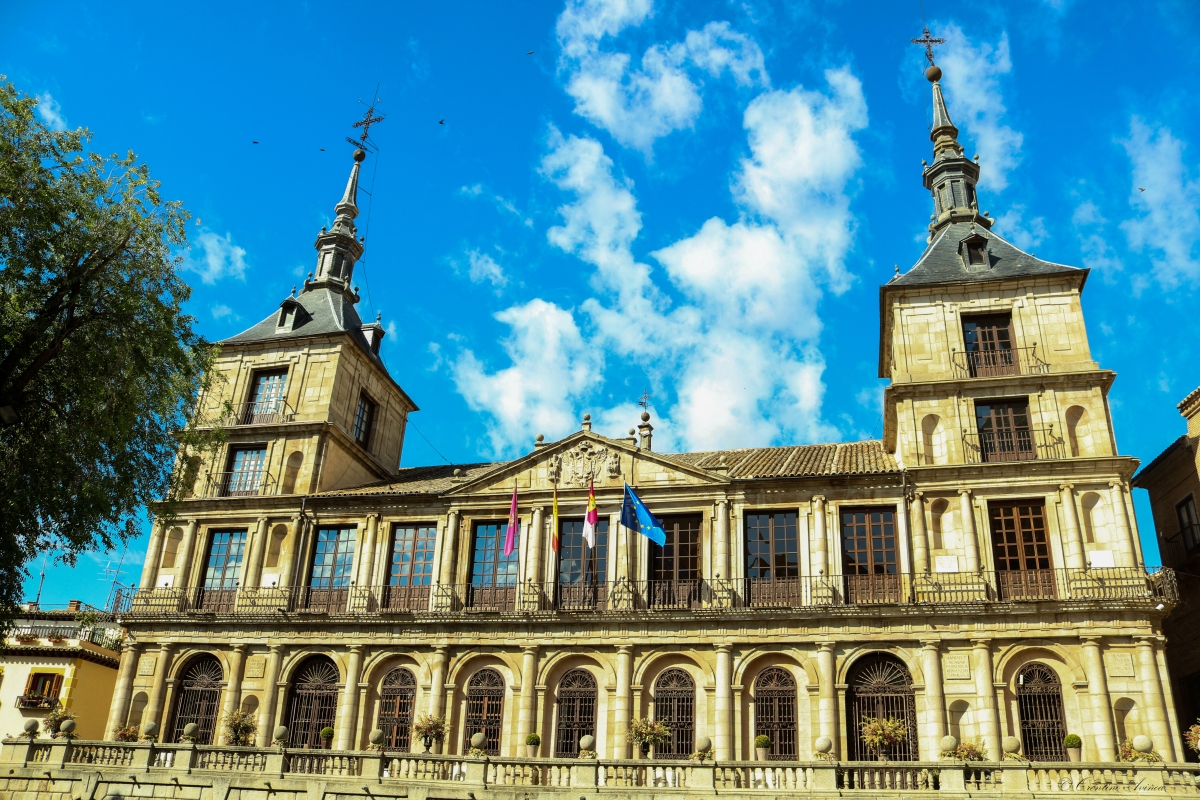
<point x="73" y="605"/>
<point x="587" y="422"/>
<point x="645" y="429"/>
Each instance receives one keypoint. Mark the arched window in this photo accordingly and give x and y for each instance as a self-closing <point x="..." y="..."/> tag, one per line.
<point x="1040" y="707"/>
<point x="397" y="697"/>
<point x="485" y="709"/>
<point x="675" y="704"/>
<point x="775" y="712"/>
<point x="312" y="702"/>
<point x="576" y="712"/>
<point x="880" y="688"/>
<point x="199" y="698"/>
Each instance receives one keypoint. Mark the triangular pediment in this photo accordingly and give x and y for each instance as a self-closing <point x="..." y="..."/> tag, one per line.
<point x="569" y="463"/>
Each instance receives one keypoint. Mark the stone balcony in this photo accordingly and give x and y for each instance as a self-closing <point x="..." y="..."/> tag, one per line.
<point x="39" y="768"/>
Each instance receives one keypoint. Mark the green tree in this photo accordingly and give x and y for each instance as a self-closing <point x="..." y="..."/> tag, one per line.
<point x="99" y="365"/>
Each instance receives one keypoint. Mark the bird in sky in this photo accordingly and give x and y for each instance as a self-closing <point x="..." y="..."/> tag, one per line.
<point x="254" y="143"/>
<point x="529" y="53"/>
<point x="441" y="122"/>
<point x="1140" y="189"/>
<point x="322" y="149"/>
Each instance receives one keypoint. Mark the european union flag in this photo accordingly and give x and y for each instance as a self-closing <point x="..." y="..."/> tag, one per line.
<point x="636" y="517"/>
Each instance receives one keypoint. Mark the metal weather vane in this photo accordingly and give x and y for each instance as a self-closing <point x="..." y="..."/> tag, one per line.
<point x="644" y="402"/>
<point x="928" y="43"/>
<point x="369" y="119"/>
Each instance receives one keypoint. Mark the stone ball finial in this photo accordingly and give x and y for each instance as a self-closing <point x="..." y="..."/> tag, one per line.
<point x="457" y="472"/>
<point x="191" y="729"/>
<point x="377" y="736"/>
<point x="1010" y="744"/>
<point x="645" y="416"/>
<point x="359" y="155"/>
<point x="948" y="743"/>
<point x="823" y="744"/>
<point x="31" y="726"/>
<point x="67" y="726"/>
<point x="632" y="431"/>
<point x="587" y="417"/>
<point x="478" y="739"/>
<point x="541" y="437"/>
<point x="150" y="728"/>
<point x="1142" y="743"/>
<point x="281" y="733"/>
<point x="587" y="742"/>
<point x="703" y="744"/>
<point x="933" y="74"/>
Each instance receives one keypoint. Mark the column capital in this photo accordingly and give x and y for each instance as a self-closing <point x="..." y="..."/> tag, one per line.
<point x="539" y="509"/>
<point x="981" y="644"/>
<point x="818" y="498"/>
<point x="724" y="647"/>
<point x="964" y="491"/>
<point x="275" y="649"/>
<point x="826" y="647"/>
<point x="374" y="516"/>
<point x="624" y="649"/>
<point x="530" y="649"/>
<point x="263" y="520"/>
<point x="1148" y="639"/>
<point x="1066" y="487"/>
<point x="165" y="647"/>
<point x="1117" y="483"/>
<point x="1090" y="641"/>
<point x="130" y="647"/>
<point x="931" y="644"/>
<point x="240" y="647"/>
<point x="356" y="648"/>
<point x="918" y="495"/>
<point x="441" y="649"/>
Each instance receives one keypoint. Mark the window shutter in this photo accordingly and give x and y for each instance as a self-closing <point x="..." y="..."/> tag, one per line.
<point x="55" y="686"/>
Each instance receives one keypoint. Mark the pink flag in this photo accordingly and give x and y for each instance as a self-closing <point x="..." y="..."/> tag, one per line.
<point x="510" y="538"/>
<point x="591" y="518"/>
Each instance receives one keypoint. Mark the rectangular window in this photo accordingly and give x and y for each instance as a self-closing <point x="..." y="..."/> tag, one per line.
<point x="582" y="570"/>
<point x="332" y="566"/>
<point x="41" y="691"/>
<point x="493" y="574"/>
<point x="1004" y="432"/>
<point x="675" y="567"/>
<point x="245" y="471"/>
<point x="1189" y="525"/>
<point x="1021" y="549"/>
<point x="988" y="340"/>
<point x="222" y="570"/>
<point x="363" y="418"/>
<point x="772" y="559"/>
<point x="869" y="555"/>
<point x="266" y="397"/>
<point x="411" y="571"/>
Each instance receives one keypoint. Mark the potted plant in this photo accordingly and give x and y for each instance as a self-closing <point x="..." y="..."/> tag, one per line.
<point x="25" y="637"/>
<point x="429" y="729"/>
<point x="532" y="742"/>
<point x="967" y="751"/>
<point x="647" y="733"/>
<point x="881" y="735"/>
<point x="762" y="747"/>
<point x="1074" y="747"/>
<point x="240" y="727"/>
<point x="1192" y="737"/>
<point x="126" y="734"/>
<point x="326" y="738"/>
<point x="56" y="638"/>
<point x="52" y="721"/>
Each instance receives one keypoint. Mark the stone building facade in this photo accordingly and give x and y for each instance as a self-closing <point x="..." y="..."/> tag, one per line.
<point x="976" y="573"/>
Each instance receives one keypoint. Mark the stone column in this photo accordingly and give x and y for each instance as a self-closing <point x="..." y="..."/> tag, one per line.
<point x="1152" y="697"/>
<point x="153" y="555"/>
<point x="1103" y="731"/>
<point x="118" y="711"/>
<point x="723" y="740"/>
<point x="618" y="556"/>
<point x="1073" y="541"/>
<point x="296" y="549"/>
<point x="820" y="562"/>
<point x="366" y="572"/>
<point x="254" y="558"/>
<point x="920" y="538"/>
<point x="1125" y="535"/>
<point x="446" y="572"/>
<point x="183" y="559"/>
<point x="537" y="542"/>
<point x="935" y="700"/>
<point x="985" y="693"/>
<point x="970" y="537"/>
<point x="623" y="701"/>
<point x="267" y="721"/>
<point x="528" y="710"/>
<point x="154" y="709"/>
<point x="827" y="693"/>
<point x="233" y="686"/>
<point x="904" y="538"/>
<point x="437" y="688"/>
<point x="348" y="718"/>
<point x="722" y="568"/>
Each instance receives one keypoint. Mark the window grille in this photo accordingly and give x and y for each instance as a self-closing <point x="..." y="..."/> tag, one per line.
<point x="576" y="712"/>
<point x="675" y="704"/>
<point x="1040" y="707"/>
<point x="199" y="698"/>
<point x="880" y="687"/>
<point x="485" y="709"/>
<point x="396" y="709"/>
<point x="313" y="702"/>
<point x="775" y="712"/>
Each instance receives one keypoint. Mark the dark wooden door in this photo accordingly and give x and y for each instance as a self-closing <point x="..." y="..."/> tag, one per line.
<point x="675" y="566"/>
<point x="772" y="560"/>
<point x="1021" y="550"/>
<point x="576" y="712"/>
<point x="485" y="709"/>
<point x="396" y="698"/>
<point x="493" y="574"/>
<point x="1004" y="432"/>
<point x="332" y="570"/>
<point x="199" y="700"/>
<point x="221" y="571"/>
<point x="411" y="572"/>
<point x="675" y="704"/>
<point x="775" y="712"/>
<point x="989" y="344"/>
<point x="870" y="560"/>
<point x="582" y="570"/>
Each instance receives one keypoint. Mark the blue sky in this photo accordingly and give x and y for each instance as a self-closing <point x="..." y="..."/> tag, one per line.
<point x="695" y="198"/>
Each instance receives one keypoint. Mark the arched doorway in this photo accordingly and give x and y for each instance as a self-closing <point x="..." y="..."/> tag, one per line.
<point x="880" y="687"/>
<point x="775" y="712"/>
<point x="675" y="704"/>
<point x="199" y="699"/>
<point x="1040" y="707"/>
<point x="397" y="696"/>
<point x="576" y="712"/>
<point x="485" y="709"/>
<point x="312" y="703"/>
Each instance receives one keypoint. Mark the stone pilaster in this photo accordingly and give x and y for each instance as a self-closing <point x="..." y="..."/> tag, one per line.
<point x="1103" y="731"/>
<point x="1125" y="535"/>
<point x="126" y="672"/>
<point x="988" y="714"/>
<point x="184" y="558"/>
<point x="820" y="562"/>
<point x="722" y="568"/>
<point x="446" y="571"/>
<point x="153" y="555"/>
<point x="347" y="722"/>
<point x="724" y="703"/>
<point x="623" y="700"/>
<point x="1153" y="698"/>
<point x="970" y="536"/>
<point x="827" y="696"/>
<point x="528" y="709"/>
<point x="252" y="577"/>
<point x="920" y="537"/>
<point x="267" y="720"/>
<point x="154" y="708"/>
<point x="537" y="543"/>
<point x="935" y="700"/>
<point x="1073" y="540"/>
<point x="233" y="685"/>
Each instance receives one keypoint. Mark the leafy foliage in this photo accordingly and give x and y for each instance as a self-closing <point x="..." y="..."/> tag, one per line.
<point x="648" y="731"/>
<point x="126" y="734"/>
<point x="1192" y="737"/>
<point x="1128" y="753"/>
<point x="52" y="720"/>
<point x="1072" y="740"/>
<point x="967" y="751"/>
<point x="99" y="364"/>
<point x="880" y="733"/>
<point x="435" y="727"/>
<point x="533" y="740"/>
<point x="240" y="727"/>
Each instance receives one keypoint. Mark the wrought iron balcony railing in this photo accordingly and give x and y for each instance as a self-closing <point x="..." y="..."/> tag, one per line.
<point x="36" y="702"/>
<point x="1119" y="585"/>
<point x="1181" y="548"/>
<point x="992" y="363"/>
<point x="242" y="483"/>
<point x="1013" y="444"/>
<point x="263" y="412"/>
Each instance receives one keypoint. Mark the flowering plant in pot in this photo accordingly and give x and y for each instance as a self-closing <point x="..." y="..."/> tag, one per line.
<point x="967" y="751"/>
<point x="429" y="729"/>
<point x="881" y="735"/>
<point x="1074" y="747"/>
<point x="647" y="733"/>
<point x="533" y="741"/>
<point x="126" y="734"/>
<point x="1192" y="737"/>
<point x="762" y="747"/>
<point x="1129" y="752"/>
<point x="240" y="727"/>
<point x="52" y="721"/>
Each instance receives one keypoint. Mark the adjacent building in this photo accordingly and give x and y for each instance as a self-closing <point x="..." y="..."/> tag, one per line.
<point x="975" y="573"/>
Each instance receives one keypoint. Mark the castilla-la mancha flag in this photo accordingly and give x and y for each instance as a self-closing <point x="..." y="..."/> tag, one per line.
<point x="591" y="518"/>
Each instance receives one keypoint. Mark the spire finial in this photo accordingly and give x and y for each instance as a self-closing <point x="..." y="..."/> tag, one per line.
<point x="928" y="43"/>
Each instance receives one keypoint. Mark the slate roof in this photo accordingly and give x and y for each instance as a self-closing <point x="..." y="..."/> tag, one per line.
<point x="1182" y="441"/>
<point x="941" y="262"/>
<point x="794" y="461"/>
<point x="325" y="312"/>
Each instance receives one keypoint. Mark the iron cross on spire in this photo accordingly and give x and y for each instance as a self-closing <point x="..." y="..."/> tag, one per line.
<point x="928" y="42"/>
<point x="365" y="123"/>
<point x="644" y="402"/>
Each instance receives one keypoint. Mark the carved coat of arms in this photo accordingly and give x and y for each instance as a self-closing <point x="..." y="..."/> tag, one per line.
<point x="584" y="462"/>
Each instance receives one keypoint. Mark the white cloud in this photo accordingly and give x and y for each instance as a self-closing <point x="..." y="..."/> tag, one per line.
<point x="51" y="112"/>
<point x="1097" y="253"/>
<point x="221" y="311"/>
<point x="1167" y="221"/>
<point x="214" y="257"/>
<point x="971" y="79"/>
<point x="551" y="369"/>
<point x="1025" y="234"/>
<point x="484" y="268"/>
<point x="639" y="105"/>
<point x="501" y="203"/>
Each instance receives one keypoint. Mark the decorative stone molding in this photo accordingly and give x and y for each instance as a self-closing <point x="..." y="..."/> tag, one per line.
<point x="584" y="462"/>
